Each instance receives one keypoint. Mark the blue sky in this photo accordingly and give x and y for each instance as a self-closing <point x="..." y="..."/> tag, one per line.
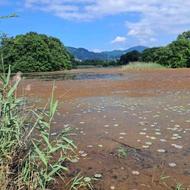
<point x="99" y="24"/>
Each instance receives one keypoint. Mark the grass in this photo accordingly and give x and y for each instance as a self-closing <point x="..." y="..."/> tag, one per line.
<point x="122" y="152"/>
<point x="30" y="157"/>
<point x="179" y="186"/>
<point x="81" y="182"/>
<point x="142" y="66"/>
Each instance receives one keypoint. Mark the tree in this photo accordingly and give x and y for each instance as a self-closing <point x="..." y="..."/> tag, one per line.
<point x="150" y="54"/>
<point x="184" y="35"/>
<point x="174" y="55"/>
<point x="34" y="52"/>
<point x="179" y="54"/>
<point x="130" y="57"/>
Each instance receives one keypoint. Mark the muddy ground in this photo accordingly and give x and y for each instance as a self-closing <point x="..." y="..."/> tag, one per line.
<point x="145" y="114"/>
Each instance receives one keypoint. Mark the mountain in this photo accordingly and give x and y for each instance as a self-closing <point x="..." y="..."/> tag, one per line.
<point x="84" y="54"/>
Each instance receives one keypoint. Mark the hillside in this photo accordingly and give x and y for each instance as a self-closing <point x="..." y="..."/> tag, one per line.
<point x="84" y="54"/>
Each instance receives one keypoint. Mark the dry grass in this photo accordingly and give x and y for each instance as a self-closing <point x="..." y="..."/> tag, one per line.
<point x="142" y="66"/>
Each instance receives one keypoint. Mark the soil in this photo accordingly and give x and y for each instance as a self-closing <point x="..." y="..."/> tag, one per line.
<point x="147" y="113"/>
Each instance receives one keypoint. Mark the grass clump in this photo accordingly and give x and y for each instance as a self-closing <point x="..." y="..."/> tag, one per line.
<point x="179" y="186"/>
<point x="142" y="66"/>
<point x="30" y="157"/>
<point x="79" y="182"/>
<point x="122" y="152"/>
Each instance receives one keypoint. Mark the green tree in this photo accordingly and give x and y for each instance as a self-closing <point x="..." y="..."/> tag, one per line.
<point x="162" y="56"/>
<point x="34" y="52"/>
<point x="180" y="54"/>
<point x="150" y="54"/>
<point x="130" y="57"/>
<point x="174" y="55"/>
<point x="184" y="35"/>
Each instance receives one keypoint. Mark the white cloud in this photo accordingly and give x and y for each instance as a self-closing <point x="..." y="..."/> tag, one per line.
<point x="157" y="16"/>
<point x="119" y="40"/>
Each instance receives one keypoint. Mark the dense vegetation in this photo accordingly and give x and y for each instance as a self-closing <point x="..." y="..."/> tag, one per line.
<point x="132" y="56"/>
<point x="31" y="156"/>
<point x="174" y="55"/>
<point x="34" y="52"/>
<point x="150" y="54"/>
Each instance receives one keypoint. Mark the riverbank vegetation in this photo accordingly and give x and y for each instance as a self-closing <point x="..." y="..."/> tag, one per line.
<point x="174" y="55"/>
<point x="31" y="155"/>
<point x="35" y="52"/>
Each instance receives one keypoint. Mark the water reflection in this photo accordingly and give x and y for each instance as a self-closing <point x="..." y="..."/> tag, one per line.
<point x="71" y="76"/>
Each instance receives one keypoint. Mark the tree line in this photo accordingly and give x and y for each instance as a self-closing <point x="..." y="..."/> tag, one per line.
<point x="33" y="52"/>
<point x="174" y="55"/>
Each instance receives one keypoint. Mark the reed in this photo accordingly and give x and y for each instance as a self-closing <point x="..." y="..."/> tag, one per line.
<point x="30" y="156"/>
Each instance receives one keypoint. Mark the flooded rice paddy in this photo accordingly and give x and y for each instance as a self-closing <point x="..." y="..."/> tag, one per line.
<point x="132" y="129"/>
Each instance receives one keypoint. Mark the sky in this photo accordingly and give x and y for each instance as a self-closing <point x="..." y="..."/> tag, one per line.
<point x="99" y="25"/>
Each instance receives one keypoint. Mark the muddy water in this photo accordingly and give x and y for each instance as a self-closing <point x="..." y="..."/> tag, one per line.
<point x="146" y="114"/>
<point x="75" y="76"/>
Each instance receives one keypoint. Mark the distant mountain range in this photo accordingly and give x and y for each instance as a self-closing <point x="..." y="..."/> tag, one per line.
<point x="84" y="54"/>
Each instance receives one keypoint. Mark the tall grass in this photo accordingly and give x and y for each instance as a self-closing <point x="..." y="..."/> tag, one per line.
<point x="142" y="66"/>
<point x="30" y="157"/>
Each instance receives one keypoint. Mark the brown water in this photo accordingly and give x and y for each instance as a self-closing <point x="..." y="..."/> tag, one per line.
<point x="145" y="113"/>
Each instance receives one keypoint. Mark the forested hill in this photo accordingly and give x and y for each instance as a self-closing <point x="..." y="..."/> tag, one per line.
<point x="84" y="54"/>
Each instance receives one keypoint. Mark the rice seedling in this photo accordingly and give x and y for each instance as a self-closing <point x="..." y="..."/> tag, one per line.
<point x="30" y="157"/>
